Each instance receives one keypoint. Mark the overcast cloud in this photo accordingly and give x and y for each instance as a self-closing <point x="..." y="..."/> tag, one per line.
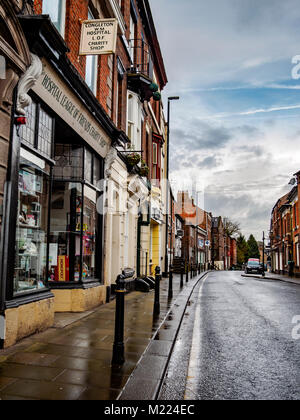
<point x="236" y="130"/>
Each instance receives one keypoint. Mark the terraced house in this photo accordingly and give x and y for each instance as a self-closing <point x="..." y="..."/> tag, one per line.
<point x="82" y="135"/>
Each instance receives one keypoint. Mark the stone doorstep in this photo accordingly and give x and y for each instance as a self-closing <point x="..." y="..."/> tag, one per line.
<point x="146" y="379"/>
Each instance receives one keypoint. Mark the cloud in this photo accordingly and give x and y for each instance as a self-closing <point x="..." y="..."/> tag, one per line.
<point x="200" y="135"/>
<point x="210" y="162"/>
<point x="253" y="112"/>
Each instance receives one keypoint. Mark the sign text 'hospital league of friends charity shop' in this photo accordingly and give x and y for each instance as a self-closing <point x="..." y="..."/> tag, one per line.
<point x="98" y="37"/>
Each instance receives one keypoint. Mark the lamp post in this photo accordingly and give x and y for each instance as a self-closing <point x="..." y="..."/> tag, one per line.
<point x="171" y="98"/>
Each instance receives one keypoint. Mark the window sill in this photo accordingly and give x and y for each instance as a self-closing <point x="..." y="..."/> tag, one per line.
<point x="29" y="297"/>
<point x="88" y="284"/>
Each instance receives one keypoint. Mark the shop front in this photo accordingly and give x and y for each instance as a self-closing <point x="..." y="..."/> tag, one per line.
<point x="54" y="237"/>
<point x="75" y="230"/>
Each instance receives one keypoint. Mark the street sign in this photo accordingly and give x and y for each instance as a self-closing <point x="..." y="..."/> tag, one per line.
<point x="98" y="37"/>
<point x="207" y="243"/>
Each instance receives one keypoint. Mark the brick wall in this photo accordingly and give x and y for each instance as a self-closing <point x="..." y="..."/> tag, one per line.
<point x="77" y="10"/>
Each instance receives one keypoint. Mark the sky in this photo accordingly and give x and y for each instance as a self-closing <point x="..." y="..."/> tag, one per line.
<point x="235" y="131"/>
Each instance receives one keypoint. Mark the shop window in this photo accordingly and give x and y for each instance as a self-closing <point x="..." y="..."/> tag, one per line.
<point x="88" y="166"/>
<point x="74" y="217"/>
<point x="90" y="227"/>
<point x="56" y="9"/>
<point x="97" y="173"/>
<point x="38" y="131"/>
<point x="65" y="238"/>
<point x="45" y="133"/>
<point x="69" y="161"/>
<point x="32" y="224"/>
<point x="27" y="132"/>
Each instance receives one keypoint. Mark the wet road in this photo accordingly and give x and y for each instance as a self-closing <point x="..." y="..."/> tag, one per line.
<point x="241" y="345"/>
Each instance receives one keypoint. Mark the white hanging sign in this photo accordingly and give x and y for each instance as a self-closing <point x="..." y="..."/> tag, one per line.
<point x="98" y="37"/>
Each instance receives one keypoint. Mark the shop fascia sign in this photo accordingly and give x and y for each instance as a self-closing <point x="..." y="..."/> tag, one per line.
<point x="65" y="103"/>
<point x="98" y="37"/>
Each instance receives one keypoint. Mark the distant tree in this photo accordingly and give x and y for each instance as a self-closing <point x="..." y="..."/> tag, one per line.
<point x="242" y="250"/>
<point x="253" y="247"/>
<point x="232" y="228"/>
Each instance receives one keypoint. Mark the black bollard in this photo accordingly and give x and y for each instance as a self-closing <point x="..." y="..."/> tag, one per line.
<point x="156" y="310"/>
<point x="199" y="269"/>
<point x="192" y="274"/>
<point x="181" y="275"/>
<point x="118" y="348"/>
<point x="187" y="273"/>
<point x="170" y="282"/>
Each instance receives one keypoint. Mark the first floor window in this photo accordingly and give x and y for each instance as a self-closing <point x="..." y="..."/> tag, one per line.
<point x="134" y="120"/>
<point x="56" y="9"/>
<point x="91" y="70"/>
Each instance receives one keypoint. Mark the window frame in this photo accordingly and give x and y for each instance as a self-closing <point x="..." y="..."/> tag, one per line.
<point x="94" y="61"/>
<point x="62" y="16"/>
<point x="136" y="121"/>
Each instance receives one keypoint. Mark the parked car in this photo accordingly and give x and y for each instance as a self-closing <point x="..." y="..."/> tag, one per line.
<point x="254" y="266"/>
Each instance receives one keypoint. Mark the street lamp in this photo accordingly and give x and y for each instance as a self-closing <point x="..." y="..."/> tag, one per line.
<point x="171" y="98"/>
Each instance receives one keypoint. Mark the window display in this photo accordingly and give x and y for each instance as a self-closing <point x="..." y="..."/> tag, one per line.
<point x="72" y="251"/>
<point x="90" y="218"/>
<point x="31" y="234"/>
<point x="65" y="239"/>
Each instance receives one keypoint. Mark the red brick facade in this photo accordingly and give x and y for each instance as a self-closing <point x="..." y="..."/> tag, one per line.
<point x="284" y="235"/>
<point x="108" y="93"/>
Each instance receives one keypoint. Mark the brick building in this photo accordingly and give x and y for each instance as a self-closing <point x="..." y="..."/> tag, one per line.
<point x="218" y="243"/>
<point x="197" y="230"/>
<point x="284" y="233"/>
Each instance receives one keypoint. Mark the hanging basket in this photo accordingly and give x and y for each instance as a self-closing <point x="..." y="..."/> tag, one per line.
<point x="133" y="159"/>
<point x="144" y="171"/>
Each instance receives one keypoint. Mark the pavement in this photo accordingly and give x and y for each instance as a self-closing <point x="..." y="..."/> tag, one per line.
<point x="72" y="360"/>
<point x="271" y="276"/>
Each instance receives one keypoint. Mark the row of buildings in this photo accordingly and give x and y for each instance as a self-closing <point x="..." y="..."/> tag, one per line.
<point x="284" y="250"/>
<point x="200" y="238"/>
<point x="83" y="145"/>
<point x="84" y="161"/>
